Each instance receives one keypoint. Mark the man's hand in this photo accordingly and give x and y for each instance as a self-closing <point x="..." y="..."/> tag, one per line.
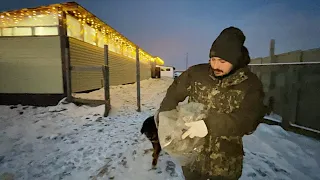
<point x="197" y="128"/>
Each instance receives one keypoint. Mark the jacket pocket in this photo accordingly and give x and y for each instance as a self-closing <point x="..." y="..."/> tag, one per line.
<point x="231" y="146"/>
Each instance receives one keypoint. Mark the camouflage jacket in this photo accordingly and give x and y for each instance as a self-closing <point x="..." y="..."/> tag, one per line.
<point x="235" y="108"/>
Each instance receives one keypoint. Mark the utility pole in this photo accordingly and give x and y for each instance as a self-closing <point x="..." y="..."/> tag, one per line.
<point x="187" y="62"/>
<point x="138" y="79"/>
<point x="271" y="53"/>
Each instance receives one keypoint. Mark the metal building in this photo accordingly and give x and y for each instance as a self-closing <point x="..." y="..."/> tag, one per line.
<point x="36" y="43"/>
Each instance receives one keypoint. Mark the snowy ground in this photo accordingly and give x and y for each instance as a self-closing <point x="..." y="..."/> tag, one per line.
<point x="71" y="142"/>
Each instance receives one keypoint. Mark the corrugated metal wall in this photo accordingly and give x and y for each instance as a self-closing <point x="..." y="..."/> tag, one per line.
<point x="145" y="70"/>
<point x="122" y="68"/>
<point x="85" y="54"/>
<point x="30" y="65"/>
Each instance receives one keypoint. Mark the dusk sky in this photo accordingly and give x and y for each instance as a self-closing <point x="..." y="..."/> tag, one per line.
<point x="172" y="28"/>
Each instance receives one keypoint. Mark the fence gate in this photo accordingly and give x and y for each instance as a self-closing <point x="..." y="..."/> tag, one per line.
<point x="101" y="70"/>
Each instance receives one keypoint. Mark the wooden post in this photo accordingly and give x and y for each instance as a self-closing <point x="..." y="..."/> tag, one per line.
<point x="272" y="75"/>
<point x="65" y="58"/>
<point x="68" y="75"/>
<point x="138" y="79"/>
<point x="289" y="99"/>
<point x="272" y="48"/>
<point x="298" y="78"/>
<point x="105" y="70"/>
<point x="272" y="60"/>
<point x="187" y="62"/>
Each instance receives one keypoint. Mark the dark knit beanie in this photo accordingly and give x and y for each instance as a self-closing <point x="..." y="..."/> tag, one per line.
<point x="245" y="58"/>
<point x="229" y="46"/>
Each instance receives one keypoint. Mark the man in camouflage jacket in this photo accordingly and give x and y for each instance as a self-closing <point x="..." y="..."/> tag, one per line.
<point x="233" y="96"/>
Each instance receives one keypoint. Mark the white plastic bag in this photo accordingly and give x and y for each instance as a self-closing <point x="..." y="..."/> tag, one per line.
<point x="172" y="126"/>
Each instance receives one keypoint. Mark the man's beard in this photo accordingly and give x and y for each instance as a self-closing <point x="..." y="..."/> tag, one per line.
<point x="217" y="71"/>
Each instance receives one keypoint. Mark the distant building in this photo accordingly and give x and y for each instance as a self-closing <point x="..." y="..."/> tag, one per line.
<point x="166" y="71"/>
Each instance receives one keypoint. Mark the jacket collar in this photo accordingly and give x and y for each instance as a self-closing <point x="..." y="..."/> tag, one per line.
<point x="235" y="78"/>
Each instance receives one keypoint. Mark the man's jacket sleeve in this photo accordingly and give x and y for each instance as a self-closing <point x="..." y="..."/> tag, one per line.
<point x="242" y="121"/>
<point x="177" y="92"/>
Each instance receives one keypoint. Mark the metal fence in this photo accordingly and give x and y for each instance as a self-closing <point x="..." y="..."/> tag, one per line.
<point x="293" y="92"/>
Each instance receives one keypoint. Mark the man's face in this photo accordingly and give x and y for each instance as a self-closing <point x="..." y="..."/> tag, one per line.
<point x="220" y="67"/>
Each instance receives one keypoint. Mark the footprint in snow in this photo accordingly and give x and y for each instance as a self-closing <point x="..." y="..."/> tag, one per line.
<point x="251" y="175"/>
<point x="13" y="107"/>
<point x="171" y="169"/>
<point x="1" y="159"/>
<point x="263" y="174"/>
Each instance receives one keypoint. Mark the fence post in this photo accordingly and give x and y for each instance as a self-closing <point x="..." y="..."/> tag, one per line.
<point x="106" y="85"/>
<point x="68" y="75"/>
<point x="289" y="100"/>
<point x="138" y="79"/>
<point x="299" y="82"/>
<point x="272" y="60"/>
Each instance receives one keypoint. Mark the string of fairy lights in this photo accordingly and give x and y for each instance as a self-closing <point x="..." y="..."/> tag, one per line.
<point x="13" y="18"/>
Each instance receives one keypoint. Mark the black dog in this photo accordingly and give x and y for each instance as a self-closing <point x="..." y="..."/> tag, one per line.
<point x="150" y="130"/>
